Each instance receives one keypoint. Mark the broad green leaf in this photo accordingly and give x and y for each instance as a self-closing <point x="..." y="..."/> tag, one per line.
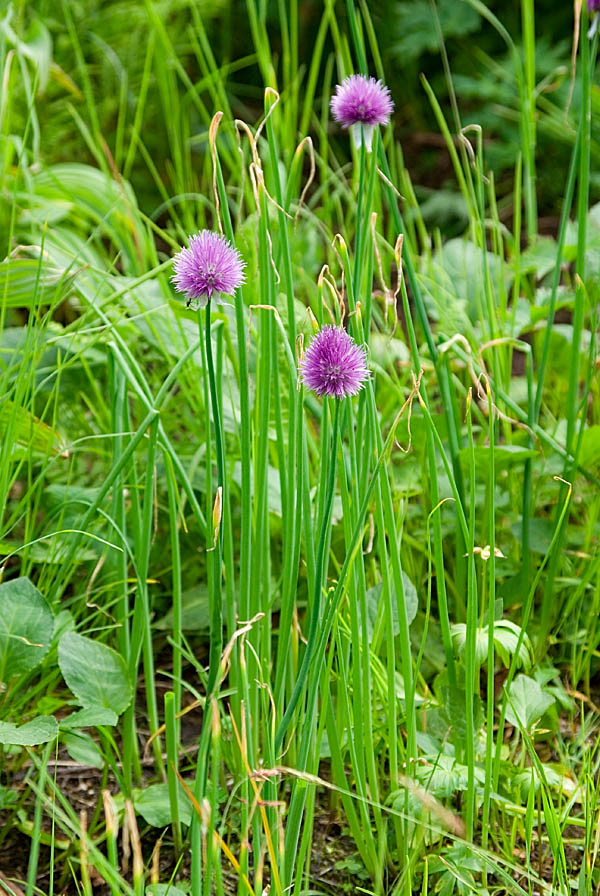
<point x="25" y="282"/>
<point x="26" y="626"/>
<point x="411" y="600"/>
<point x="415" y="430"/>
<point x="444" y="208"/>
<point x="172" y="328"/>
<point x="541" y="532"/>
<point x="443" y="776"/>
<point x="28" y="435"/>
<point x="8" y="798"/>
<point x="386" y="350"/>
<point x="375" y="605"/>
<point x="40" y="212"/>
<point x="93" y="192"/>
<point x="37" y="46"/>
<point x="558" y="778"/>
<point x="592" y="243"/>
<point x="506" y="637"/>
<point x="540" y="256"/>
<point x="527" y="702"/>
<point x="55" y="550"/>
<point x="565" y="299"/>
<point x="400" y="690"/>
<point x="82" y="748"/>
<point x="95" y="673"/>
<point x="38" y="731"/>
<point x="566" y="332"/>
<point x="59" y="495"/>
<point x="63" y="622"/>
<point x="406" y="803"/>
<point x="108" y="203"/>
<point x="453" y="284"/>
<point x="154" y="806"/>
<point x="455" y="714"/>
<point x="589" y="455"/>
<point x="456" y="867"/>
<point x="195" y="611"/>
<point x="412" y="31"/>
<point x="504" y="456"/>
<point x="373" y="598"/>
<point x="273" y="487"/>
<point x="92" y="717"/>
<point x="164" y="890"/>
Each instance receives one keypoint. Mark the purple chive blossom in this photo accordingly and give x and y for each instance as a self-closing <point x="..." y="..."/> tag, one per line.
<point x="360" y="103"/>
<point x="208" y="268"/>
<point x="334" y="364"/>
<point x="593" y="5"/>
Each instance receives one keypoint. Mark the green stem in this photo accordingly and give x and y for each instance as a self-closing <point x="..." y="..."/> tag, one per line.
<point x="435" y="500"/>
<point x="562" y="232"/>
<point x="528" y="93"/>
<point x="176" y="580"/>
<point x="489" y="740"/>
<point x="34" y="852"/>
<point x="471" y="639"/>
<point x="356" y="37"/>
<point x="173" y="784"/>
<point x="316" y="607"/>
<point x="575" y="401"/>
<point x="359" y="217"/>
<point x="439" y="361"/>
<point x="144" y="596"/>
<point x="216" y="611"/>
<point x="527" y="607"/>
<point x="245" y="433"/>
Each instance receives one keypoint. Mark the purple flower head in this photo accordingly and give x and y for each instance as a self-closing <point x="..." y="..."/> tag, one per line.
<point x="593" y="5"/>
<point x="209" y="267"/>
<point x="363" y="102"/>
<point x="334" y="364"/>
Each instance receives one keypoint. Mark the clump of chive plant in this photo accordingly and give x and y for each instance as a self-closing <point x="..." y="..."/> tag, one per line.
<point x="361" y="103"/>
<point x="334" y="364"/>
<point x="208" y="269"/>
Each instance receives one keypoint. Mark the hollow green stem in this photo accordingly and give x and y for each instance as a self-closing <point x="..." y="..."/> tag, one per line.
<point x="171" y="740"/>
<point x="215" y="601"/>
<point x="216" y="610"/>
<point x="316" y="606"/>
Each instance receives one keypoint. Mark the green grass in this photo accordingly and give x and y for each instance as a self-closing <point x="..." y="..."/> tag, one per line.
<point x="246" y="612"/>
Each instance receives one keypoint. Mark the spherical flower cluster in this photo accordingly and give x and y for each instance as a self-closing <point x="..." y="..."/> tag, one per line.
<point x="334" y="364"/>
<point x="360" y="103"/>
<point x="209" y="268"/>
<point x="593" y="5"/>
